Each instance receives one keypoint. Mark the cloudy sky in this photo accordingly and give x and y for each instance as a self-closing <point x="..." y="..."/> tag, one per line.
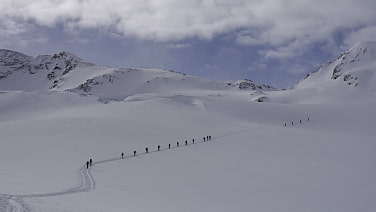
<point x="276" y="42"/>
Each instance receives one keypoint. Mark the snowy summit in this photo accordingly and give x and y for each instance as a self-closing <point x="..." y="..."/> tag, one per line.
<point x="355" y="68"/>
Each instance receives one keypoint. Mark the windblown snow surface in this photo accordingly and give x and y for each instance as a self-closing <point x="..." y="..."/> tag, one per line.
<point x="252" y="163"/>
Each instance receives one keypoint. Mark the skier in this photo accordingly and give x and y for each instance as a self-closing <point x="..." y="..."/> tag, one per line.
<point x="91" y="162"/>
<point x="122" y="155"/>
<point x="159" y="147"/>
<point x="87" y="164"/>
<point x="134" y="153"/>
<point x="147" y="150"/>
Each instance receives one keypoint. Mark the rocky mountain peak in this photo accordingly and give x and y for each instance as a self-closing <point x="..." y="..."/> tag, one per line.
<point x="247" y="84"/>
<point x="42" y="72"/>
<point x="356" y="67"/>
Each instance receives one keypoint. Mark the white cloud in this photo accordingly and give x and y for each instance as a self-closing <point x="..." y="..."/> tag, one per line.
<point x="284" y="26"/>
<point x="363" y="34"/>
<point x="180" y="45"/>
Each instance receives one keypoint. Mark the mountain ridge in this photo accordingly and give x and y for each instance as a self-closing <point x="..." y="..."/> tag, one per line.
<point x="352" y="72"/>
<point x="66" y="72"/>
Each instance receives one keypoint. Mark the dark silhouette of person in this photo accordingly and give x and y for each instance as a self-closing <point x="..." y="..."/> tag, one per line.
<point x="134" y="153"/>
<point x="177" y="143"/>
<point x="169" y="146"/>
<point x="193" y="141"/>
<point x="91" y="162"/>
<point x="159" y="147"/>
<point x="285" y="124"/>
<point x="300" y="121"/>
<point x="122" y="155"/>
<point x="204" y="139"/>
<point x="186" y="142"/>
<point x="209" y="137"/>
<point x="292" y="123"/>
<point x="308" y="119"/>
<point x="147" y="150"/>
<point x="87" y="164"/>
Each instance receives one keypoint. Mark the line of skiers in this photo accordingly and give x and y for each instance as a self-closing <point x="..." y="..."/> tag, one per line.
<point x="206" y="138"/>
<point x="300" y="121"/>
<point x="122" y="155"/>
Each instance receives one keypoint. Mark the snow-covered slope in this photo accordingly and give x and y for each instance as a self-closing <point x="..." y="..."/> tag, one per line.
<point x="253" y="163"/>
<point x="351" y="77"/>
<point x="119" y="84"/>
<point x="355" y="68"/>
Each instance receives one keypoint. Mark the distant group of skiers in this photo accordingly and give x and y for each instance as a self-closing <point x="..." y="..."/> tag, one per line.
<point x="89" y="163"/>
<point x="292" y="123"/>
<point x="208" y="138"/>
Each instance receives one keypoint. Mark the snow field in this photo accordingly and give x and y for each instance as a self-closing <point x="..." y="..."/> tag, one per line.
<point x="322" y="173"/>
<point x="252" y="163"/>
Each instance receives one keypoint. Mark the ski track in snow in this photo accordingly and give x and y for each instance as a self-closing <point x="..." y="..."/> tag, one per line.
<point x="86" y="181"/>
<point x="15" y="203"/>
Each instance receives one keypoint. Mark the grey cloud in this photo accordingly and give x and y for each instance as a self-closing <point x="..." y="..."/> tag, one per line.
<point x="284" y="26"/>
